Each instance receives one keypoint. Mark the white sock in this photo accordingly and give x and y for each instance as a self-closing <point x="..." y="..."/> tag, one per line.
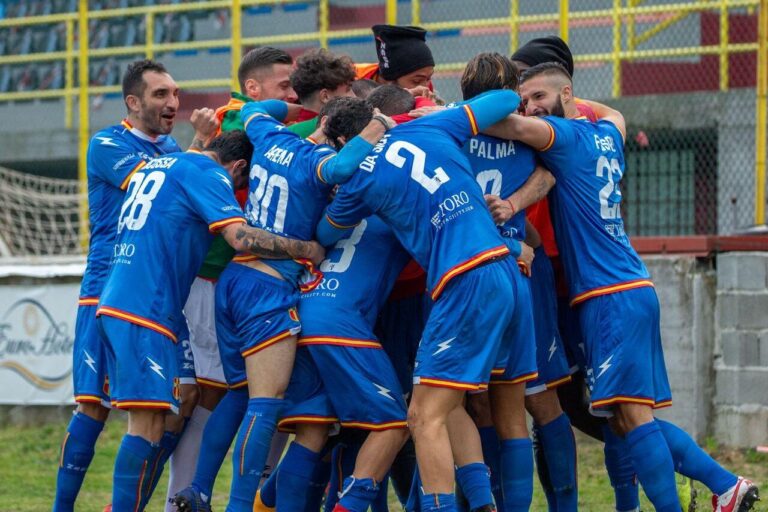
<point x="276" y="450"/>
<point x="184" y="458"/>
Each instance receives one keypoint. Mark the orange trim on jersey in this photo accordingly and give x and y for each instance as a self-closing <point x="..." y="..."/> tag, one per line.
<point x="343" y="342"/>
<point x="517" y="380"/>
<point x="138" y="487"/>
<point x="498" y="371"/>
<point x="365" y="70"/>
<point x="266" y="343"/>
<point x="87" y="399"/>
<point x="215" y="227"/>
<point x="468" y="265"/>
<point x="257" y="114"/>
<point x="318" y="420"/>
<point x="317" y="276"/>
<point x="551" y="138"/>
<point x="88" y="301"/>
<point x="238" y="385"/>
<point x="453" y="384"/>
<point x="375" y="427"/>
<point x="614" y="288"/>
<point x="127" y="179"/>
<point x="63" y="447"/>
<point x="559" y="382"/>
<point x="623" y="399"/>
<point x="337" y="225"/>
<point x="136" y="319"/>
<point x="210" y="383"/>
<point x="472" y="119"/>
<point x="243" y="258"/>
<point x="661" y="405"/>
<point x="245" y="444"/>
<point x="141" y="404"/>
<point x="125" y="124"/>
<point x="319" y="169"/>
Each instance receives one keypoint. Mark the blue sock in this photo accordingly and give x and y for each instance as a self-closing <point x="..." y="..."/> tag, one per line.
<point x="132" y="467"/>
<point x="653" y="463"/>
<point x="76" y="455"/>
<point x="517" y="474"/>
<point x="438" y="503"/>
<point x="220" y="430"/>
<point x="268" y="491"/>
<point x="358" y="494"/>
<point x="542" y="471"/>
<point x="343" y="466"/>
<point x="693" y="462"/>
<point x="559" y="447"/>
<point x="475" y="482"/>
<point x="251" y="449"/>
<point x="490" y="442"/>
<point x="381" y="502"/>
<point x="621" y="472"/>
<point x="168" y="444"/>
<point x="413" y="504"/>
<point x="317" y="485"/>
<point x="296" y="470"/>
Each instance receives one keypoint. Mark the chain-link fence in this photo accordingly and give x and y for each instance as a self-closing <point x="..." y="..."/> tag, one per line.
<point x="683" y="73"/>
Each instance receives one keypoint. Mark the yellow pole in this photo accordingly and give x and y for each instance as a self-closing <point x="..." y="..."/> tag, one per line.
<point x="391" y="12"/>
<point x="416" y="12"/>
<point x="237" y="42"/>
<point x="723" y="45"/>
<point x="631" y="27"/>
<point x="149" y="50"/>
<point x="761" y="119"/>
<point x="514" y="26"/>
<point x="84" y="128"/>
<point x="324" y="23"/>
<point x="564" y="20"/>
<point x="68" y="68"/>
<point x="616" y="54"/>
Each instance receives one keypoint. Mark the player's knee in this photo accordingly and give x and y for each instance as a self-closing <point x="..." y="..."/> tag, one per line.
<point x="479" y="408"/>
<point x="543" y="407"/>
<point x="210" y="397"/>
<point x="312" y="436"/>
<point x="94" y="411"/>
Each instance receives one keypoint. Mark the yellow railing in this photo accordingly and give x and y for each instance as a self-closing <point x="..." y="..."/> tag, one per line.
<point x="623" y="13"/>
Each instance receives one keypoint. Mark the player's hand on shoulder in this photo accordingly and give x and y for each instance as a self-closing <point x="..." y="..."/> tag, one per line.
<point x="525" y="260"/>
<point x="205" y="124"/>
<point x="425" y="111"/>
<point x="501" y="209"/>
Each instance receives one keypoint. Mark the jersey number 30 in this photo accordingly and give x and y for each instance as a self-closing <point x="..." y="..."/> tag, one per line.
<point x="142" y="190"/>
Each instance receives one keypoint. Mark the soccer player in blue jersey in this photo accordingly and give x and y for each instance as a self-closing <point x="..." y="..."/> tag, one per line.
<point x="173" y="205"/>
<point x="418" y="181"/>
<point x="501" y="167"/>
<point x="256" y="320"/>
<point x="114" y="154"/>
<point x="611" y="289"/>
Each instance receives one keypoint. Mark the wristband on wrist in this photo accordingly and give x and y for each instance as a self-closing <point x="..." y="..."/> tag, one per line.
<point x="512" y="206"/>
<point x="382" y="120"/>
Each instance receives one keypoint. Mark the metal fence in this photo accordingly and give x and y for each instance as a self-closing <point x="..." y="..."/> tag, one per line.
<point x="689" y="76"/>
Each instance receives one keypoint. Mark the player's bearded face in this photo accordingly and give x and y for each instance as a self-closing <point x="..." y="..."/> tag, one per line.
<point x="159" y="104"/>
<point x="541" y="100"/>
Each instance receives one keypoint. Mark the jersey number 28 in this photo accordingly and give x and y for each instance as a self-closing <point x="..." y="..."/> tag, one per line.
<point x="142" y="190"/>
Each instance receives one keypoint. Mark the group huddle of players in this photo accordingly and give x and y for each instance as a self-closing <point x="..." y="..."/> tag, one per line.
<point x="396" y="281"/>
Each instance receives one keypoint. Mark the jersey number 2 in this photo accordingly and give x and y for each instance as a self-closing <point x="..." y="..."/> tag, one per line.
<point x="431" y="183"/>
<point x="610" y="194"/>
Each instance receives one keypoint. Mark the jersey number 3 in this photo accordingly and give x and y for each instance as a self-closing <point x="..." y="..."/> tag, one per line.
<point x="142" y="190"/>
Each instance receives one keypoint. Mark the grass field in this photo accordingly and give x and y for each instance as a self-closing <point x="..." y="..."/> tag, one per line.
<point x="29" y="457"/>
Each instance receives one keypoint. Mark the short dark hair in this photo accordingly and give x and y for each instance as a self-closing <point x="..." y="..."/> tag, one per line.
<point x="346" y="117"/>
<point x="488" y="71"/>
<point x="545" y="68"/>
<point x="362" y="87"/>
<point x="391" y="100"/>
<point x="133" y="79"/>
<point x="320" y="69"/>
<point x="258" y="59"/>
<point x="231" y="146"/>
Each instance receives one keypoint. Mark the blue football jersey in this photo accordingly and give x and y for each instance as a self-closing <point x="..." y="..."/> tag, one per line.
<point x="286" y="191"/>
<point x="165" y="226"/>
<point x="587" y="159"/>
<point x="114" y="154"/>
<point x="418" y="180"/>
<point x="358" y="274"/>
<point x="500" y="168"/>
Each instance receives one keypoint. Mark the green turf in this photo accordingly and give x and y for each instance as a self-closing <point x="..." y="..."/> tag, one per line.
<point x="29" y="457"/>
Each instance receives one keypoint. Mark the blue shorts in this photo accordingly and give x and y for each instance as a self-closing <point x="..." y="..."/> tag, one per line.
<point x="89" y="365"/>
<point x="142" y="364"/>
<point x="399" y="329"/>
<point x="186" y="360"/>
<point x="464" y="330"/>
<point x="306" y="400"/>
<point x="570" y="332"/>
<point x="253" y="311"/>
<point x="625" y="359"/>
<point x="516" y="361"/>
<point x="551" y="360"/>
<point x="361" y="384"/>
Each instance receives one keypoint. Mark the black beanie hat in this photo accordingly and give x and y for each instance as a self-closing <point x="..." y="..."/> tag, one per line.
<point x="545" y="49"/>
<point x="401" y="50"/>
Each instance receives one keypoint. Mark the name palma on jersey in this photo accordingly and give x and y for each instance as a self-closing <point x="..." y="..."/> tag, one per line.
<point x="495" y="150"/>
<point x="279" y="155"/>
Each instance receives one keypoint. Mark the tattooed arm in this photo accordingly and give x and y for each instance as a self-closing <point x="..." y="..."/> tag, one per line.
<point x="244" y="238"/>
<point x="205" y="124"/>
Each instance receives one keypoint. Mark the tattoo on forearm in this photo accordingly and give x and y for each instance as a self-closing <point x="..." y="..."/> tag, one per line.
<point x="268" y="245"/>
<point x="197" y="144"/>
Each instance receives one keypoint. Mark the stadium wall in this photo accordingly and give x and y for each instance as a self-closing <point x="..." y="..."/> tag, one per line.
<point x="714" y="321"/>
